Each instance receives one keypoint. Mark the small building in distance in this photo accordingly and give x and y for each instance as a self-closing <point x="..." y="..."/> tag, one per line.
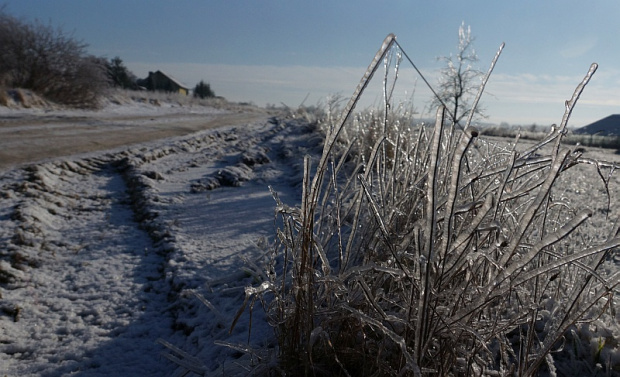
<point x="161" y="81"/>
<point x="608" y="126"/>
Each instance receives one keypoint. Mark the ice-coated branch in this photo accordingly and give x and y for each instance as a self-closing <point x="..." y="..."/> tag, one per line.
<point x="483" y="84"/>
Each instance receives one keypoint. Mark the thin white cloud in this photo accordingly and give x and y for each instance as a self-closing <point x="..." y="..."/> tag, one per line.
<point x="520" y="98"/>
<point x="579" y="46"/>
<point x="275" y="84"/>
<point x="529" y="88"/>
<point x="527" y="97"/>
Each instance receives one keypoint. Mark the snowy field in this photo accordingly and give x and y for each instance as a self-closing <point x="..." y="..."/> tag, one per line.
<point x="102" y="254"/>
<point x="105" y="257"/>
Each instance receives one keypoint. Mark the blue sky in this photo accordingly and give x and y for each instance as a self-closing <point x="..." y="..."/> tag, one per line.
<point x="280" y="51"/>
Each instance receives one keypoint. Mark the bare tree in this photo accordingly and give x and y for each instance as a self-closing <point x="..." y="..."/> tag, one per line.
<point x="459" y="79"/>
<point x="49" y="62"/>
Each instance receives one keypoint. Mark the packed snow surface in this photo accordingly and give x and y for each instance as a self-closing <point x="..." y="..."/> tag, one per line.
<point x="112" y="260"/>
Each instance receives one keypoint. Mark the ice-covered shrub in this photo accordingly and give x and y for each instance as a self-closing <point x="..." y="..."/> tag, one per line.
<point x="427" y="250"/>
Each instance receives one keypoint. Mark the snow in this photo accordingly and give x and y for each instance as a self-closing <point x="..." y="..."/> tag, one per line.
<point x="122" y="107"/>
<point x="117" y="262"/>
<point x="106" y="257"/>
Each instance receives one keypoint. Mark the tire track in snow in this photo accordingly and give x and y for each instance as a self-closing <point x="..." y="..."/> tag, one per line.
<point x="106" y="265"/>
<point x="209" y="197"/>
<point x="83" y="283"/>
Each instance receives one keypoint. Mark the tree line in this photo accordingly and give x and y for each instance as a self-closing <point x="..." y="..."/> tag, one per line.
<point x="57" y="66"/>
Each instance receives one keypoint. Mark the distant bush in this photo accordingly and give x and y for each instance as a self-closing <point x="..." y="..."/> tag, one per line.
<point x="203" y="90"/>
<point x="598" y="141"/>
<point x="512" y="132"/>
<point x="586" y="140"/>
<point x="119" y="75"/>
<point x="49" y="62"/>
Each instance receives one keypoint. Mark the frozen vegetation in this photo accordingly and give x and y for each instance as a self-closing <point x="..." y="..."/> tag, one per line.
<point x="136" y="261"/>
<point x="335" y="243"/>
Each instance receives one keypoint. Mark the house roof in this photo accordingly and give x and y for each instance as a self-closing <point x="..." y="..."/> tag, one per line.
<point x="171" y="78"/>
<point x="608" y="126"/>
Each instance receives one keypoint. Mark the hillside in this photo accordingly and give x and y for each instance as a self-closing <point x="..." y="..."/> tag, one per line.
<point x="608" y="126"/>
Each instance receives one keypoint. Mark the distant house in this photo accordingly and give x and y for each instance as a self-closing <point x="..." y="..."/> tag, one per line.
<point x="609" y="126"/>
<point x="161" y="81"/>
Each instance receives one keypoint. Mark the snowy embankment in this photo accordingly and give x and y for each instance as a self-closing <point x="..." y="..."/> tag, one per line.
<point x="101" y="256"/>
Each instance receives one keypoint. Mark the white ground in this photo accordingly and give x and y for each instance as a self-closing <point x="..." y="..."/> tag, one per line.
<point x="100" y="254"/>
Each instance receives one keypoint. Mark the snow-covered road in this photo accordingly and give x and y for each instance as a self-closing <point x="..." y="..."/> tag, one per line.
<point x="33" y="135"/>
<point x="100" y="256"/>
